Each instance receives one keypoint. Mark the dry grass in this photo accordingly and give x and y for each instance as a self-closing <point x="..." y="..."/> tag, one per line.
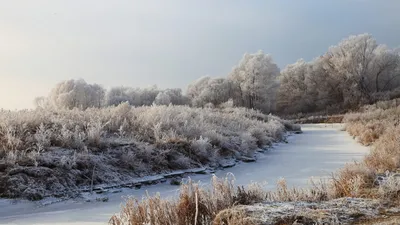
<point x="380" y="128"/>
<point x="214" y="204"/>
<point x="319" y="119"/>
<point x="354" y="180"/>
<point x="196" y="204"/>
<point x="376" y="125"/>
<point x="385" y="220"/>
<point x="233" y="216"/>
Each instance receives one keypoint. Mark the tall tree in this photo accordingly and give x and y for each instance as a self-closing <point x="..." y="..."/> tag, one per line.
<point x="256" y="77"/>
<point x="76" y="94"/>
<point x="211" y="90"/>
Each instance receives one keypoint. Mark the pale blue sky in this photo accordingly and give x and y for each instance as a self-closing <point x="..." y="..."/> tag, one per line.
<point x="168" y="43"/>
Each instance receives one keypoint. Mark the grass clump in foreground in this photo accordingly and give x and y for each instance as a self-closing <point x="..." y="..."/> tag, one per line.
<point x="216" y="205"/>
<point x="211" y="204"/>
<point x="195" y="205"/>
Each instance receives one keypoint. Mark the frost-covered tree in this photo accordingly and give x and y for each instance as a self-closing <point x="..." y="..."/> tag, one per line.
<point x="145" y="96"/>
<point x="256" y="79"/>
<point x="41" y="102"/>
<point x="76" y="94"/>
<point x="354" y="72"/>
<point x="176" y="96"/>
<point x="296" y="94"/>
<point x="148" y="95"/>
<point x="362" y="66"/>
<point x="194" y="89"/>
<point x="162" y="98"/>
<point x="211" y="90"/>
<point x="385" y="67"/>
<point x="117" y="95"/>
<point x="134" y="96"/>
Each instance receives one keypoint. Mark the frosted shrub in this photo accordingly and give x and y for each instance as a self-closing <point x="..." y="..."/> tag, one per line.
<point x="42" y="137"/>
<point x="78" y="139"/>
<point x="12" y="140"/>
<point x="72" y="138"/>
<point x="275" y="129"/>
<point x="11" y="157"/>
<point x="181" y="162"/>
<point x="123" y="129"/>
<point x="157" y="131"/>
<point x="65" y="136"/>
<point x="390" y="188"/>
<point x="94" y="133"/>
<point x="249" y="144"/>
<point x="119" y="115"/>
<point x="261" y="136"/>
<point x="209" y="105"/>
<point x="227" y="104"/>
<point x="214" y="137"/>
<point x="68" y="162"/>
<point x="201" y="147"/>
<point x="34" y="156"/>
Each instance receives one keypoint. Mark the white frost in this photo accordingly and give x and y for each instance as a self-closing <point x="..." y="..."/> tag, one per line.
<point x="320" y="150"/>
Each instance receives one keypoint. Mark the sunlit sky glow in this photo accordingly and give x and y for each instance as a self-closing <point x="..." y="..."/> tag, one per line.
<point x="168" y="43"/>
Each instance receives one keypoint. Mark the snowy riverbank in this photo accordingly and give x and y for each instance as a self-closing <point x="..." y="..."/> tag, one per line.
<point x="320" y="150"/>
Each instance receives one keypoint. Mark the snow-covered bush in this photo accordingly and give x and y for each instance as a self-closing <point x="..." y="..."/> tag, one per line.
<point x="42" y="137"/>
<point x="94" y="133"/>
<point x="204" y="131"/>
<point x="248" y="144"/>
<point x="202" y="148"/>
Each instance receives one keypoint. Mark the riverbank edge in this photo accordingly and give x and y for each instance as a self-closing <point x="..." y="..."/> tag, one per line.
<point x="98" y="193"/>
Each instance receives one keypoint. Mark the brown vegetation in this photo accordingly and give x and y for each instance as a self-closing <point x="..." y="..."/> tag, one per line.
<point x="195" y="205"/>
<point x="319" y="119"/>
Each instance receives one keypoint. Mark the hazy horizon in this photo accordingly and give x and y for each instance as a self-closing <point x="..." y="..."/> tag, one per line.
<point x="169" y="44"/>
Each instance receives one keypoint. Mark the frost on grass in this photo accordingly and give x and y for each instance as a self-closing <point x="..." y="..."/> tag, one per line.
<point x="53" y="152"/>
<point x="359" y="193"/>
<point x="376" y="125"/>
<point x="222" y="202"/>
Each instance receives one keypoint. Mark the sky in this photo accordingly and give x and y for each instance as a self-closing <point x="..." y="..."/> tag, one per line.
<point x="168" y="43"/>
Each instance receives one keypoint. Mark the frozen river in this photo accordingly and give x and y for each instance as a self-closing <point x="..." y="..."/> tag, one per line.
<point x="317" y="152"/>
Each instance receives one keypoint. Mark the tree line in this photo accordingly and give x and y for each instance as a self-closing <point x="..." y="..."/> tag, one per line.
<point x="356" y="71"/>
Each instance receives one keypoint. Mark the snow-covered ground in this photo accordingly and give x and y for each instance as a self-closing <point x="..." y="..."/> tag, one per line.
<point x="319" y="151"/>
